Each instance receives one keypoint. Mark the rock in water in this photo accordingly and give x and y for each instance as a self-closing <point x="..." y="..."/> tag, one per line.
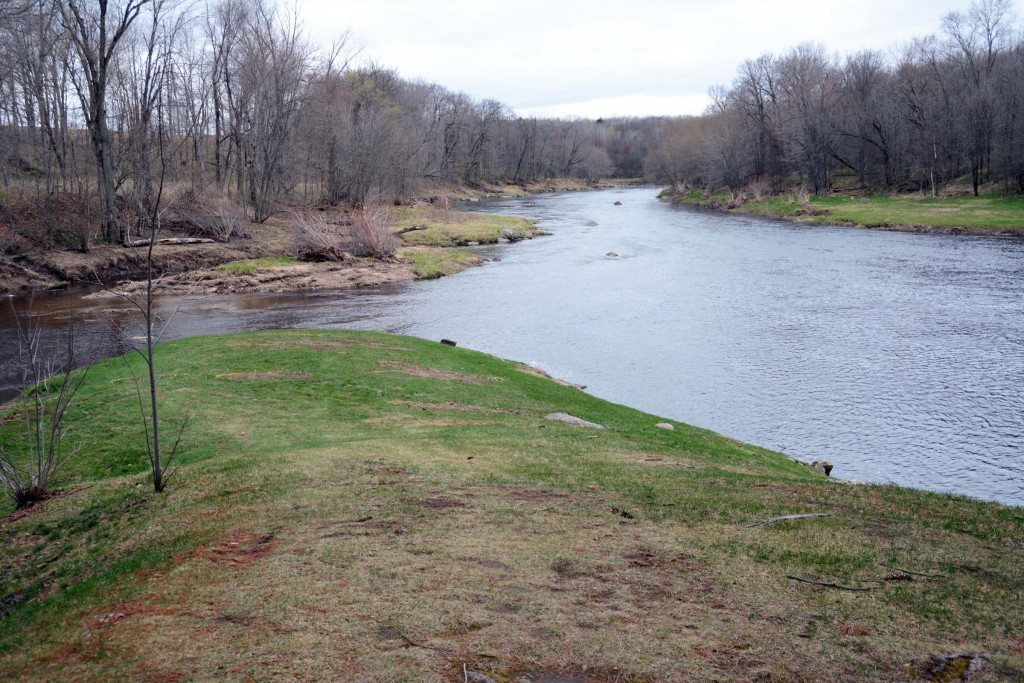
<point x="448" y="342"/>
<point x="570" y="419"/>
<point x="591" y="224"/>
<point x="823" y="466"/>
<point x="618" y="203"/>
<point x="612" y="254"/>
<point x="665" y="425"/>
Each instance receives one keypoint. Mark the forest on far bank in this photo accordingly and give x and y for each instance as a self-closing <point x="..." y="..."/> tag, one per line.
<point x="108" y="107"/>
<point x="944" y="108"/>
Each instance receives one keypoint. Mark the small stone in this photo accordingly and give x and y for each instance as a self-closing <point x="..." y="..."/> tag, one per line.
<point x="612" y="254"/>
<point x="474" y="677"/>
<point x="591" y="224"/>
<point x="665" y="425"/>
<point x="823" y="466"/>
<point x="618" y="203"/>
<point x="570" y="419"/>
<point x="449" y="342"/>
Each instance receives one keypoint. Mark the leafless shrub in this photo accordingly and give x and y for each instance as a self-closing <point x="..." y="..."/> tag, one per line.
<point x="803" y="197"/>
<point x="27" y="475"/>
<point x="758" y="189"/>
<point x="316" y="239"/>
<point x="9" y="240"/>
<point x="371" y="235"/>
<point x="59" y="220"/>
<point x="736" y="199"/>
<point x="217" y="218"/>
<point x="441" y="210"/>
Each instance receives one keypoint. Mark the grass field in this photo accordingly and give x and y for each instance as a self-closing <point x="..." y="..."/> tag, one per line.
<point x="429" y="264"/>
<point x="365" y="507"/>
<point x="256" y="265"/>
<point x="446" y="228"/>
<point x="987" y="214"/>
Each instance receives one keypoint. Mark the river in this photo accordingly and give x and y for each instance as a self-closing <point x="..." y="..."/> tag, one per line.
<point x="899" y="357"/>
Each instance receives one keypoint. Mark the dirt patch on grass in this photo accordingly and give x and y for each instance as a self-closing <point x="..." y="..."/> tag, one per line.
<point x="437" y="503"/>
<point x="464" y="407"/>
<point x="411" y="422"/>
<point x="251" y="376"/>
<point x="317" y="344"/>
<point x="241" y="550"/>
<point x="653" y="459"/>
<point x="37" y="505"/>
<point x="533" y="496"/>
<point x="417" y="371"/>
<point x="145" y="606"/>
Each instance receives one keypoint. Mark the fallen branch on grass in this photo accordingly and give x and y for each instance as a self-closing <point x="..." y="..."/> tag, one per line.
<point x="840" y="586"/>
<point x="413" y="643"/>
<point x="412" y="229"/>
<point x="786" y="518"/>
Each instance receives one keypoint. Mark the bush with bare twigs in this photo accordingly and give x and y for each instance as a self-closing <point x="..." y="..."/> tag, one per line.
<point x="217" y="218"/>
<point x="316" y="239"/>
<point x="27" y="471"/>
<point x="58" y="220"/>
<point x="10" y="242"/>
<point x="371" y="235"/>
<point x="758" y="189"/>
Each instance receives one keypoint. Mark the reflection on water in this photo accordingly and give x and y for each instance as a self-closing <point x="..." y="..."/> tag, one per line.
<point x="896" y="356"/>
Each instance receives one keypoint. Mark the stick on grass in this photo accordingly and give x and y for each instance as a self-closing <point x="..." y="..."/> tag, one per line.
<point x="840" y="586"/>
<point x="786" y="518"/>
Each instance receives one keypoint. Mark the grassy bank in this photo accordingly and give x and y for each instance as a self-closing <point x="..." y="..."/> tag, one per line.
<point x="985" y="215"/>
<point x="268" y="249"/>
<point x="435" y="227"/>
<point x="364" y="507"/>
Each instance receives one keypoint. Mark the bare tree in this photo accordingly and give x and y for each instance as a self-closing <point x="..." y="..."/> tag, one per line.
<point x="96" y="30"/>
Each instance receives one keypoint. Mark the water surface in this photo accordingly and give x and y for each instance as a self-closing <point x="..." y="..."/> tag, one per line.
<point x="896" y="356"/>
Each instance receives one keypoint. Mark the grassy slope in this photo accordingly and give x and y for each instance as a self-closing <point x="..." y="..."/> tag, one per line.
<point x="988" y="214"/>
<point x="342" y="514"/>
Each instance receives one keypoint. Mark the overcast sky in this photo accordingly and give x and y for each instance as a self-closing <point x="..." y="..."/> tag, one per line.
<point x="599" y="58"/>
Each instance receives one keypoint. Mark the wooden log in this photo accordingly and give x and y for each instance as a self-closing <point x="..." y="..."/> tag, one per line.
<point x="172" y="240"/>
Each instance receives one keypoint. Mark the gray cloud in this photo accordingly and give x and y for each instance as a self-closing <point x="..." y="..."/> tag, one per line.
<point x="606" y="58"/>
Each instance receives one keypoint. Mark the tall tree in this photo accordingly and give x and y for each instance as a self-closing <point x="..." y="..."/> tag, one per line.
<point x="96" y="29"/>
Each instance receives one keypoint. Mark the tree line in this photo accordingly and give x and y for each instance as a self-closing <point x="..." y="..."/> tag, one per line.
<point x="945" y="107"/>
<point x="236" y="101"/>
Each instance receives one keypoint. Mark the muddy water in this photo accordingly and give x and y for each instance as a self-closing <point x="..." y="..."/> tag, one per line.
<point x="899" y="357"/>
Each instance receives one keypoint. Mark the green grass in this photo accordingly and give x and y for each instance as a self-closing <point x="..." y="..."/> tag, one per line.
<point x="363" y="507"/>
<point x="429" y="264"/>
<point x="443" y="228"/>
<point x="987" y="214"/>
<point x="250" y="266"/>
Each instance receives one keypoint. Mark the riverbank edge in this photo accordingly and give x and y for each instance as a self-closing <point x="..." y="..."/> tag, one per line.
<point x="41" y="270"/>
<point x="823" y="217"/>
<point x="255" y="507"/>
